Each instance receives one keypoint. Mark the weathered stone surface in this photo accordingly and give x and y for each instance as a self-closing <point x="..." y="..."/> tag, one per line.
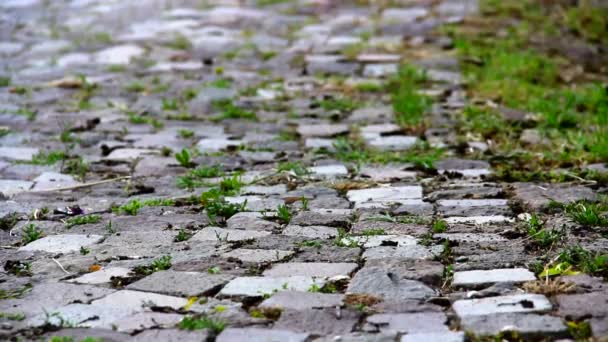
<point x="380" y="282"/>
<point x="17" y="153"/>
<point x="316" y="218"/>
<point x="260" y="286"/>
<point x="482" y="277"/>
<point x="64" y="243"/>
<point x="298" y="300"/>
<point x="49" y="296"/>
<point x="319" y="321"/>
<point x="183" y="284"/>
<point x="220" y="234"/>
<point x="519" y="303"/>
<point x="414" y="252"/>
<point x="135" y="301"/>
<point x="527" y="325"/>
<point x="102" y="276"/>
<point x="259" y="334"/>
<point x="311" y="269"/>
<point x="406" y="323"/>
<point x="538" y="196"/>
<point x="577" y="306"/>
<point x="389" y="194"/>
<point x="257" y="255"/>
<point x="9" y="187"/>
<point x="426" y="271"/>
<point x="434" y="337"/>
<point x="82" y="333"/>
<point x="312" y="232"/>
<point x="171" y="335"/>
<point x="250" y="221"/>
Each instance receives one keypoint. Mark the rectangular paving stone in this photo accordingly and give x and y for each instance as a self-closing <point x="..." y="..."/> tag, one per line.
<point x="102" y="276"/>
<point x="485" y="277"/>
<point x="448" y="336"/>
<point x="260" y="335"/>
<point x="528" y="325"/>
<point x="380" y="282"/>
<point x="299" y="300"/>
<point x="63" y="243"/>
<point x="581" y="305"/>
<point x="386" y="194"/>
<point x="327" y="321"/>
<point x="479" y="220"/>
<point x="322" y="130"/>
<point x="502" y="304"/>
<point x="415" y="252"/>
<point x="17" y="153"/>
<point x="329" y="170"/>
<point x="260" y="286"/>
<point x="406" y="323"/>
<point x="311" y="232"/>
<point x="311" y="269"/>
<point x="221" y="234"/>
<point x="321" y="218"/>
<point x="257" y="255"/>
<point x="182" y="284"/>
<point x="135" y="301"/>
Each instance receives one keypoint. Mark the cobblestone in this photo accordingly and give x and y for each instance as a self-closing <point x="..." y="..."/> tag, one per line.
<point x="244" y="169"/>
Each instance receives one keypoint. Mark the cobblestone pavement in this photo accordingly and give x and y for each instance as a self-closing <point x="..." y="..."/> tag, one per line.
<point x="267" y="225"/>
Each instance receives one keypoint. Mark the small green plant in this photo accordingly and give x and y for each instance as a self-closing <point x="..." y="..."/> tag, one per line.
<point x="223" y="83"/>
<point x="372" y="232"/>
<point x="327" y="288"/>
<point x="18" y="316"/>
<point x="5" y="81"/>
<point x="135" y="87"/>
<point x="588" y="214"/>
<point x="109" y="228"/>
<point x="542" y="236"/>
<point x="304" y="201"/>
<point x="345" y="240"/>
<point x="283" y="213"/>
<point x="15" y="293"/>
<point x="183" y="158"/>
<point x="158" y="202"/>
<point x="369" y="87"/>
<point x="84" y="250"/>
<point x="214" y="270"/>
<point x="170" y="104"/>
<point x="185" y="133"/>
<point x="198" y="323"/>
<point x="182" y="235"/>
<point x="49" y="158"/>
<point x="296" y="167"/>
<point x="18" y="268"/>
<point x="230" y="111"/>
<point x="194" y="178"/>
<point x="180" y="42"/>
<point x="30" y="233"/>
<point x="409" y="106"/>
<point x="580" y="331"/>
<point x="160" y="264"/>
<point x="80" y="220"/>
<point x="585" y="260"/>
<point x="439" y="226"/>
<point x="338" y="104"/>
<point x="207" y="171"/>
<point x="137" y="119"/>
<point x="130" y="208"/>
<point x="216" y="206"/>
<point x="231" y="185"/>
